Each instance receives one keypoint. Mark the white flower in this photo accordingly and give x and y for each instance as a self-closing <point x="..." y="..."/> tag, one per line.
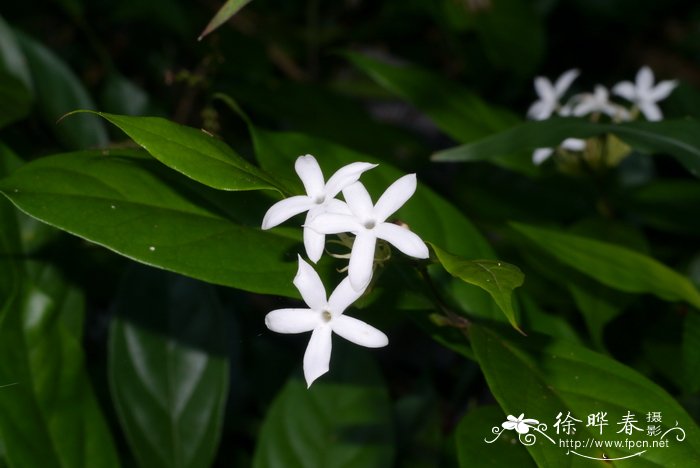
<point x="368" y="223"/>
<point x="322" y="318"/>
<point x="644" y="94"/>
<point x="522" y="426"/>
<point x="540" y="155"/>
<point x="549" y="95"/>
<point x="319" y="198"/>
<point x="598" y="102"/>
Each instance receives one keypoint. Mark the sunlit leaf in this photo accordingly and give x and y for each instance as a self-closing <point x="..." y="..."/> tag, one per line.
<point x="227" y="10"/>
<point x="168" y="368"/>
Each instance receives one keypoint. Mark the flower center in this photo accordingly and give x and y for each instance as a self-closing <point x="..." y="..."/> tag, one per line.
<point x="326" y="316"/>
<point x="320" y="199"/>
<point x="370" y="224"/>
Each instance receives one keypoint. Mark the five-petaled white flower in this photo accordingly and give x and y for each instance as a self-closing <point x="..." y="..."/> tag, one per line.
<point x="368" y="223"/>
<point x="522" y="426"/>
<point x="322" y="318"/>
<point x="319" y="198"/>
<point x="540" y="155"/>
<point x="598" y="102"/>
<point x="644" y="94"/>
<point x="549" y="95"/>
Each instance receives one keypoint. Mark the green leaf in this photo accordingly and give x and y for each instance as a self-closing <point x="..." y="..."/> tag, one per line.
<point x="426" y="213"/>
<point x="15" y="99"/>
<point x="168" y="368"/>
<point x="227" y="10"/>
<point x="458" y="112"/>
<point x="58" y="91"/>
<point x="497" y="278"/>
<point x="691" y="352"/>
<point x="472" y="450"/>
<point x="49" y="416"/>
<point x="129" y="203"/>
<point x="12" y="59"/>
<point x="343" y="420"/>
<point x="679" y="138"/>
<point x="612" y="265"/>
<point x="541" y="377"/>
<point x="192" y="152"/>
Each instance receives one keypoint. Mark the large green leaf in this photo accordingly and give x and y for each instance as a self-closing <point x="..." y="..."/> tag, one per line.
<point x="227" y="10"/>
<point x="49" y="416"/>
<point x="58" y="91"/>
<point x="542" y="377"/>
<point x="615" y="266"/>
<point x="127" y="202"/>
<point x="678" y="138"/>
<point x="192" y="152"/>
<point x="168" y="368"/>
<point x="497" y="278"/>
<point x="428" y="214"/>
<point x="343" y="420"/>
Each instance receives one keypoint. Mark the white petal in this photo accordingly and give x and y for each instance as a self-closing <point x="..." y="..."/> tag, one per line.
<point x="314" y="244"/>
<point x="540" y="110"/>
<point x="336" y="206"/>
<point x="332" y="223"/>
<point x="403" y="239"/>
<point x="574" y="144"/>
<point x="361" y="260"/>
<point x="544" y="89"/>
<point x="358" y="332"/>
<point x="318" y="354"/>
<point x="625" y="89"/>
<point x="522" y="428"/>
<point x="310" y="174"/>
<point x="645" y="81"/>
<point x="342" y="297"/>
<point x="540" y="155"/>
<point x="651" y="111"/>
<point x="292" y="320"/>
<point x="585" y="107"/>
<point x="285" y="209"/>
<point x="310" y="286"/>
<point x="663" y="90"/>
<point x="345" y="176"/>
<point x="509" y="425"/>
<point x="394" y="197"/>
<point x="564" y="82"/>
<point x="601" y="94"/>
<point x="358" y="200"/>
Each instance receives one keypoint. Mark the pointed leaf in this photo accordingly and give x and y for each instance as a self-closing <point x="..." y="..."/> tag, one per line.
<point x="497" y="278"/>
<point x="168" y="368"/>
<point x="131" y="204"/>
<point x="615" y="266"/>
<point x="227" y="10"/>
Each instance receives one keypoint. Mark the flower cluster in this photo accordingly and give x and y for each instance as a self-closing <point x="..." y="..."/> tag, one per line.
<point x="643" y="95"/>
<point x="326" y="215"/>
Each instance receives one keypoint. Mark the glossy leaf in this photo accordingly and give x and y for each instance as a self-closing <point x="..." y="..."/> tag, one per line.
<point x="474" y="452"/>
<point x="227" y="10"/>
<point x="168" y="368"/>
<point x="58" y="91"/>
<point x="49" y="416"/>
<point x="497" y="278"/>
<point x="615" y="266"/>
<point x="131" y="204"/>
<point x="15" y="99"/>
<point x="541" y="377"/>
<point x="343" y="420"/>
<point x="679" y="138"/>
<point x="426" y="213"/>
<point x="12" y="59"/>
<point x="192" y="152"/>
